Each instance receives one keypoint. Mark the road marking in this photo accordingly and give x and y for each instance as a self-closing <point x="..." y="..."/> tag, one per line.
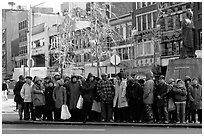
<point x="44" y="129"/>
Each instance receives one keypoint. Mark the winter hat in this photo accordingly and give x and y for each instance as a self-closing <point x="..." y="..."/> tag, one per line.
<point x="103" y="74"/>
<point x="149" y="75"/>
<point x="178" y="80"/>
<point x="60" y="82"/>
<point x="37" y="79"/>
<point x="161" y="77"/>
<point x="195" y="78"/>
<point x="29" y="77"/>
<point x="22" y="77"/>
<point x="171" y="80"/>
<point x="89" y="76"/>
<point x="187" y="78"/>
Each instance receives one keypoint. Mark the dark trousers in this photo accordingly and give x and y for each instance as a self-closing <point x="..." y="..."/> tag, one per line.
<point x="172" y="116"/>
<point x="135" y="110"/>
<point x="87" y="106"/>
<point x="106" y="111"/>
<point x="28" y="108"/>
<point x="193" y="115"/>
<point x="180" y="108"/>
<point x="95" y="116"/>
<point x="155" y="112"/>
<point x="20" y="109"/>
<point x="120" y="114"/>
<point x="149" y="110"/>
<point x="48" y="115"/>
<point x="163" y="113"/>
<point x="76" y="115"/>
<point x="57" y="114"/>
<point x="39" y="111"/>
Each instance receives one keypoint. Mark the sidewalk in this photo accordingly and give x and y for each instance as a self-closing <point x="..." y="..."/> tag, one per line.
<point x="9" y="116"/>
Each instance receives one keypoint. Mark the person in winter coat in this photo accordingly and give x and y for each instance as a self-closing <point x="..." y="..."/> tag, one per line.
<point x="148" y="96"/>
<point x="134" y="94"/>
<point x="4" y="91"/>
<point x="161" y="93"/>
<point x="172" y="114"/>
<point x="120" y="101"/>
<point x="195" y="97"/>
<point x="74" y="91"/>
<point x="180" y="94"/>
<point x="49" y="102"/>
<point x="106" y="93"/>
<point x="26" y="94"/>
<point x="88" y="89"/>
<point x="187" y="82"/>
<point x="60" y="98"/>
<point x="38" y="98"/>
<point x="17" y="98"/>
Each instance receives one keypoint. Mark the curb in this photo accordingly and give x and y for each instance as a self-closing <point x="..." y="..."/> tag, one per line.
<point x="104" y="124"/>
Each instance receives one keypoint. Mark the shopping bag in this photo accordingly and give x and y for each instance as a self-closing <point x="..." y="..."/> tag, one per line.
<point x="171" y="105"/>
<point x="96" y="106"/>
<point x="80" y="102"/>
<point x="65" y="114"/>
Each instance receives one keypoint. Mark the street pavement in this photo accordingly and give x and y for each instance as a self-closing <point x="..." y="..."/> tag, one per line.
<point x="9" y="116"/>
<point x="84" y="129"/>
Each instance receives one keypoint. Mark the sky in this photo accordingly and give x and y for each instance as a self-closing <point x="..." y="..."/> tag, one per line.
<point x="55" y="4"/>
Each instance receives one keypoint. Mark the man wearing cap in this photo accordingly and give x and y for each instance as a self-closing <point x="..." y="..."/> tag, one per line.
<point x="195" y="97"/>
<point x="106" y="92"/>
<point x="18" y="99"/>
<point x="26" y="95"/>
<point x="161" y="93"/>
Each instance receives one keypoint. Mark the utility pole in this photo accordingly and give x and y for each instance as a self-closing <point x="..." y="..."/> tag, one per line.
<point x="30" y="36"/>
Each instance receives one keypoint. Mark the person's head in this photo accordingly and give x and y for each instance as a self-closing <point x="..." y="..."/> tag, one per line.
<point x="179" y="83"/>
<point x="21" y="78"/>
<point x="141" y="81"/>
<point x="60" y="82"/>
<point x="189" y="13"/>
<point x="171" y="81"/>
<point x="104" y="76"/>
<point x="90" y="77"/>
<point x="187" y="80"/>
<point x="38" y="80"/>
<point x="28" y="79"/>
<point x="161" y="79"/>
<point x="51" y="84"/>
<point x="149" y="75"/>
<point x="57" y="77"/>
<point x="195" y="81"/>
<point x="74" y="79"/>
<point x="119" y="76"/>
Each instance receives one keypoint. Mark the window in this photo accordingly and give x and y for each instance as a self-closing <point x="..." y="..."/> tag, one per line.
<point x="154" y="19"/>
<point x="119" y="53"/>
<point x="149" y="19"/>
<point x="148" y="48"/>
<point x="129" y="31"/>
<point x="138" y="5"/>
<point x="144" y="4"/>
<point x="148" y="3"/>
<point x="38" y="43"/>
<point x="125" y="53"/>
<point x="140" y="49"/>
<point x="144" y="25"/>
<point x="139" y="23"/>
<point x="124" y="31"/>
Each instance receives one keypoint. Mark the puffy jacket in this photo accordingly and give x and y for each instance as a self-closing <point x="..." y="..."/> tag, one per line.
<point x="134" y="90"/>
<point x="88" y="89"/>
<point x="148" y="96"/>
<point x="162" y="91"/>
<point x="17" y="91"/>
<point x="179" y="94"/>
<point x="38" y="96"/>
<point x="195" y="96"/>
<point x="120" y="95"/>
<point x="59" y="96"/>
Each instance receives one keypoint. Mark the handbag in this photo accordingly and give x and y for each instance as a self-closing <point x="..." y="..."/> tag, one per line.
<point x="65" y="114"/>
<point x="171" y="105"/>
<point x="80" y="103"/>
<point x="96" y="106"/>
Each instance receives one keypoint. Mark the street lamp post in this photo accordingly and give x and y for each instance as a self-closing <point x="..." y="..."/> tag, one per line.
<point x="30" y="36"/>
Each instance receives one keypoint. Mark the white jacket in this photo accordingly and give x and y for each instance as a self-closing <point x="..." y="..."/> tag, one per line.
<point x="26" y="92"/>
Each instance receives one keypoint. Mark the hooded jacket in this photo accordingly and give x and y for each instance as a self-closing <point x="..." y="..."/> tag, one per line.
<point x="38" y="96"/>
<point x="179" y="93"/>
<point x="88" y="89"/>
<point x="148" y="96"/>
<point x="195" y="96"/>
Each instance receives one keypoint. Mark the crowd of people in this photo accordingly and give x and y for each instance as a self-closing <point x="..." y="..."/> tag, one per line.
<point x="125" y="99"/>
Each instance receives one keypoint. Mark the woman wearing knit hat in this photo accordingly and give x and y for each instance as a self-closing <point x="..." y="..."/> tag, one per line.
<point x="180" y="95"/>
<point x="38" y="97"/>
<point x="60" y="98"/>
